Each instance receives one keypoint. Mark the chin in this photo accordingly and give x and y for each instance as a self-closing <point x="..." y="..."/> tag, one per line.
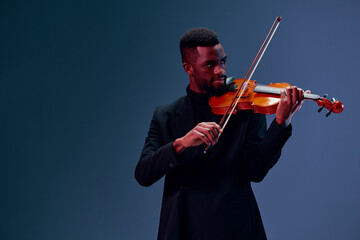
<point x="218" y="85"/>
<point x="216" y="89"/>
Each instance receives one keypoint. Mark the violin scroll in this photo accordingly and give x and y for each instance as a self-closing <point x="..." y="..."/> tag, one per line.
<point x="334" y="105"/>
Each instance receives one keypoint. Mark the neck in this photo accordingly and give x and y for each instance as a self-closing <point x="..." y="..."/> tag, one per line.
<point x="195" y="88"/>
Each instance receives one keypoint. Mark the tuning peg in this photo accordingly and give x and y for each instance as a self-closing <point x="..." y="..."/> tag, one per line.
<point x="325" y="95"/>
<point x="328" y="113"/>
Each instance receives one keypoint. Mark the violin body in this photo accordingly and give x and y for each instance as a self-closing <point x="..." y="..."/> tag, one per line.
<point x="262" y="99"/>
<point x="250" y="100"/>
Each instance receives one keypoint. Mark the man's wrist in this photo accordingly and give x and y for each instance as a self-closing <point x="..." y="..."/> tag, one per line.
<point x="282" y="124"/>
<point x="178" y="146"/>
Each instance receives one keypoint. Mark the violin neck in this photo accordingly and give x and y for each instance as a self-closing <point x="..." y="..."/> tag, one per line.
<point x="277" y="91"/>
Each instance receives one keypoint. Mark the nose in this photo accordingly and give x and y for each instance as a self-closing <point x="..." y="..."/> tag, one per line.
<point x="220" y="69"/>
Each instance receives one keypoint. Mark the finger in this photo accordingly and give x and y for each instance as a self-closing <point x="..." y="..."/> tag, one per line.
<point x="283" y="97"/>
<point x="208" y="133"/>
<point x="215" y="128"/>
<point x="202" y="137"/>
<point x="282" y="105"/>
<point x="301" y="98"/>
<point x="294" y="97"/>
<point x="215" y="133"/>
<point x="300" y="105"/>
<point x="301" y="95"/>
<point x="283" y="94"/>
<point x="288" y="95"/>
<point x="212" y="124"/>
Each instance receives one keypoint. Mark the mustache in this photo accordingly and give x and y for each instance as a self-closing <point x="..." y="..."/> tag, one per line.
<point x="222" y="77"/>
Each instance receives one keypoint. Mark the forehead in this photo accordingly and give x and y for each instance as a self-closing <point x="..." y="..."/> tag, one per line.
<point x="210" y="53"/>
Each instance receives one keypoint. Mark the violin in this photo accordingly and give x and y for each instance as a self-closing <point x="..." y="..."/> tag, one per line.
<point x="263" y="99"/>
<point x="245" y="94"/>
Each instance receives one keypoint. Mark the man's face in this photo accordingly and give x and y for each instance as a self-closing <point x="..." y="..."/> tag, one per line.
<point x="207" y="69"/>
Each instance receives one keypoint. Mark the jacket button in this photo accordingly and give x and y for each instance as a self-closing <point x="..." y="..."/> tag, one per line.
<point x="171" y="164"/>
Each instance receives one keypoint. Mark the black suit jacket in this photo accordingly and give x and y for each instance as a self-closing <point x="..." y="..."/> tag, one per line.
<point x="209" y="196"/>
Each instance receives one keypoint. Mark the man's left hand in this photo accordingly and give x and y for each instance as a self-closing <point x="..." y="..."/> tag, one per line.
<point x="291" y="100"/>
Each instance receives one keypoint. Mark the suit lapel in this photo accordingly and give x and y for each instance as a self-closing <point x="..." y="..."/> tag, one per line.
<point x="184" y="120"/>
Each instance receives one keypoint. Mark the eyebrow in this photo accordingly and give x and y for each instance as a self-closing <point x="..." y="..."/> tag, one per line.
<point x="212" y="61"/>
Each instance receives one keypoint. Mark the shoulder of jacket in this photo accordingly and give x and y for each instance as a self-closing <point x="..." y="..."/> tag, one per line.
<point x="170" y="108"/>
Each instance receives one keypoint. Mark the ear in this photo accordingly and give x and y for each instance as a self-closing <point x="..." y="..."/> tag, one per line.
<point x="188" y="68"/>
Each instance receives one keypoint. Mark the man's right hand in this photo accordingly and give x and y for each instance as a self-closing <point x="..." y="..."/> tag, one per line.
<point x="204" y="132"/>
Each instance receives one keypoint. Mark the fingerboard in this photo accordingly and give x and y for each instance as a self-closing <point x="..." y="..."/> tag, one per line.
<point x="277" y="91"/>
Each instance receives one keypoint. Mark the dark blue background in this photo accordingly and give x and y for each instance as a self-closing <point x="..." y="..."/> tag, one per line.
<point x="80" y="80"/>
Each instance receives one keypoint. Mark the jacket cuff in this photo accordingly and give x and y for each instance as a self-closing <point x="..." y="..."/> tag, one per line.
<point x="173" y="159"/>
<point x="282" y="132"/>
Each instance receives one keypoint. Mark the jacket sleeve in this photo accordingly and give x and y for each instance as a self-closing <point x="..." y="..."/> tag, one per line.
<point x="263" y="147"/>
<point x="156" y="158"/>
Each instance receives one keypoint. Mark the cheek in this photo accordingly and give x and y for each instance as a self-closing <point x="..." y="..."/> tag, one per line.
<point x="206" y="73"/>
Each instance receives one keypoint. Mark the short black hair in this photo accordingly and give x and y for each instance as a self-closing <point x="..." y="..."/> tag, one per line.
<point x="195" y="37"/>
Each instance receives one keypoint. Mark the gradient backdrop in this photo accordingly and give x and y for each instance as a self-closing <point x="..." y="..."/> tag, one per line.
<point x="80" y="81"/>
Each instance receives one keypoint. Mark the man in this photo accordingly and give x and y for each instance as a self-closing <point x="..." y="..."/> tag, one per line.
<point x="209" y="196"/>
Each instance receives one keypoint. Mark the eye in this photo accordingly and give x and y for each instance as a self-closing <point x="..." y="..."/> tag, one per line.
<point x="223" y="61"/>
<point x="210" y="65"/>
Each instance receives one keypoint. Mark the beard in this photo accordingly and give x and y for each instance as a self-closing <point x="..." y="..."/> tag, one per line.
<point x="217" y="91"/>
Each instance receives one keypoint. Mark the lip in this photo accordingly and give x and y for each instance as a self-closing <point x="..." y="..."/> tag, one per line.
<point x="219" y="80"/>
